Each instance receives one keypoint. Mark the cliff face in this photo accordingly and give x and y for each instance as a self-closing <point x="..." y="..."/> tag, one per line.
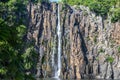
<point x="89" y="42"/>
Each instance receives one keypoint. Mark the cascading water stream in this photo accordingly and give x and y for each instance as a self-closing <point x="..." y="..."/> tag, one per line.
<point x="58" y="67"/>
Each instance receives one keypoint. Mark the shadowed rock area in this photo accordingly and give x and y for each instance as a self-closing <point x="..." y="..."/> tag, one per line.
<point x="89" y="43"/>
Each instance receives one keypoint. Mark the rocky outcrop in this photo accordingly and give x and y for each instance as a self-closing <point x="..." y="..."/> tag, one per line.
<point x="89" y="43"/>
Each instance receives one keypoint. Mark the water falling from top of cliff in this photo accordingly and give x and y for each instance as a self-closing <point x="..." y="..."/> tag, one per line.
<point x="57" y="72"/>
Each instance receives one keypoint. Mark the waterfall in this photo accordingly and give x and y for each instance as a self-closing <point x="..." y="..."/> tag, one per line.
<point x="53" y="53"/>
<point x="58" y="67"/>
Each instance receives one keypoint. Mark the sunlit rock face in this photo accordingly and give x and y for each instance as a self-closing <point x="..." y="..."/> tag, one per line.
<point x="89" y="42"/>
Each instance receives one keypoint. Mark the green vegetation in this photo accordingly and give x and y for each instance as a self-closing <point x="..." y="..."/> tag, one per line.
<point x="88" y="38"/>
<point x="119" y="49"/>
<point x="115" y="15"/>
<point x="101" y="50"/>
<point x="110" y="59"/>
<point x="95" y="39"/>
<point x="97" y="58"/>
<point x="100" y="7"/>
<point x="16" y="59"/>
<point x="39" y="1"/>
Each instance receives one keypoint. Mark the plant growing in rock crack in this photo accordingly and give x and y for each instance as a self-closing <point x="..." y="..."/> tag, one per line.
<point x="88" y="38"/>
<point x="95" y="39"/>
<point x="119" y="49"/>
<point x="97" y="58"/>
<point x="110" y="59"/>
<point x="43" y="59"/>
<point x="112" y="43"/>
<point x="85" y="13"/>
<point x="101" y="50"/>
<point x="52" y="44"/>
<point x="63" y="7"/>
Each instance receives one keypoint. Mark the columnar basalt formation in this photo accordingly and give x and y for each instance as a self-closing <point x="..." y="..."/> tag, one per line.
<point x="89" y="43"/>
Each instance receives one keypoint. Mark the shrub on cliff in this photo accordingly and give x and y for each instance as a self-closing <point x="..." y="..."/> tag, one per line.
<point x="100" y="7"/>
<point x="115" y="15"/>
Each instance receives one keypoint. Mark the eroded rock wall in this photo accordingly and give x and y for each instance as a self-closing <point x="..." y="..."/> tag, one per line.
<point x="89" y="42"/>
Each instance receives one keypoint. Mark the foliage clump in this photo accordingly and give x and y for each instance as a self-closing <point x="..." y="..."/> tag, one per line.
<point x="110" y="59"/>
<point x="115" y="15"/>
<point x="16" y="57"/>
<point x="100" y="7"/>
<point x="119" y="49"/>
<point x="101" y="50"/>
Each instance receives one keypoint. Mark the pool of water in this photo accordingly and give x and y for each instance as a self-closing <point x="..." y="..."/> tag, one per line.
<point x="49" y="79"/>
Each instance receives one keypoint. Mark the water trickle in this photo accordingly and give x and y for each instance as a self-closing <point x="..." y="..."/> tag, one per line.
<point x="53" y="53"/>
<point x="58" y="66"/>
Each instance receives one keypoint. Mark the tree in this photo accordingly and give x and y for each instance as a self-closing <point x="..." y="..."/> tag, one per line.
<point x="13" y="59"/>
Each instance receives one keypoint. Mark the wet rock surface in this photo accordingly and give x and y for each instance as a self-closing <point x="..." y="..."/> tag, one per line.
<point x="89" y="43"/>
